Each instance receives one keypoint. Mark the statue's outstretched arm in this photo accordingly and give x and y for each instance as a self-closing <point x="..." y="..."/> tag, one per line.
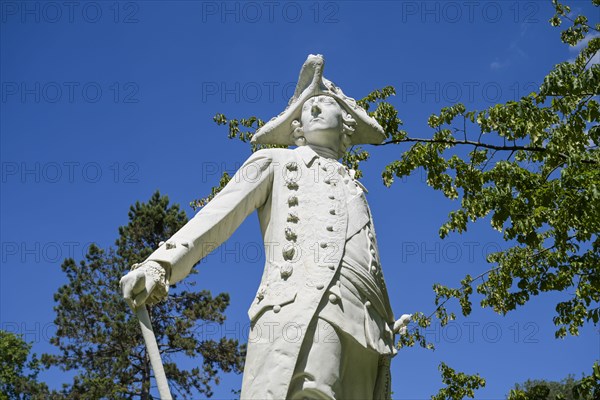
<point x="215" y="223"/>
<point x="247" y="190"/>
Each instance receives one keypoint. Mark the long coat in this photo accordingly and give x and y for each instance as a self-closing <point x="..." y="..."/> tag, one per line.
<point x="306" y="219"/>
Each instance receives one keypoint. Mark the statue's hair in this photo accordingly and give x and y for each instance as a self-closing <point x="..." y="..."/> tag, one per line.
<point x="348" y="127"/>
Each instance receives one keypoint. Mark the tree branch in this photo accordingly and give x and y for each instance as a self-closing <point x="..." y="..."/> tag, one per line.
<point x="512" y="148"/>
<point x="482" y="277"/>
<point x="469" y="142"/>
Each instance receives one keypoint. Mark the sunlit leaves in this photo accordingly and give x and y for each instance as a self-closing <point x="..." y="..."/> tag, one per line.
<point x="534" y="172"/>
<point x="458" y="384"/>
<point x="587" y="388"/>
<point x="19" y="370"/>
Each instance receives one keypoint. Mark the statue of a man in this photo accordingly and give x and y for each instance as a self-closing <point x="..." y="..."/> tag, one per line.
<point x="321" y="322"/>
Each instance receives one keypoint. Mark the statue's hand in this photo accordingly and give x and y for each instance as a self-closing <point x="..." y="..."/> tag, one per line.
<point x="401" y="324"/>
<point x="146" y="283"/>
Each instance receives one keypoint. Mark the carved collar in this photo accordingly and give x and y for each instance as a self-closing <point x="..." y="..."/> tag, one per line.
<point x="308" y="155"/>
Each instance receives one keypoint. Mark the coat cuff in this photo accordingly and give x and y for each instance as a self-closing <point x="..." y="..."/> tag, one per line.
<point x="157" y="273"/>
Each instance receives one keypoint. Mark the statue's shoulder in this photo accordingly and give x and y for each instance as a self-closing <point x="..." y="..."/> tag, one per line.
<point x="276" y="154"/>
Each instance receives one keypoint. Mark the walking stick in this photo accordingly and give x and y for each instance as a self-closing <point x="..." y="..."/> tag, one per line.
<point x="153" y="353"/>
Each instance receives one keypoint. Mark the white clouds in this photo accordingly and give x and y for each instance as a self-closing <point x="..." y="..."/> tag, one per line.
<point x="496" y="65"/>
<point x="514" y="51"/>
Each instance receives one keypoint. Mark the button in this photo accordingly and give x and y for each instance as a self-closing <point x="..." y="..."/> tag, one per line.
<point x="332" y="211"/>
<point x="292" y="166"/>
<point x="320" y="286"/>
<point x="276" y="308"/>
<point x="327" y="181"/>
<point x="331" y="196"/>
<point x="286" y="270"/>
<point x="288" y="252"/>
<point x="370" y="235"/>
<point x="368" y="304"/>
<point x="333" y="298"/>
<point x="373" y="252"/>
<point x="292" y="201"/>
<point x="290" y="235"/>
<point x="330" y="228"/>
<point x="373" y="269"/>
<point x="292" y="185"/>
<point x="323" y="245"/>
<point x="292" y="217"/>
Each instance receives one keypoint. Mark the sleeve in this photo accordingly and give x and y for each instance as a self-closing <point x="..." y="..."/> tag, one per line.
<point x="247" y="190"/>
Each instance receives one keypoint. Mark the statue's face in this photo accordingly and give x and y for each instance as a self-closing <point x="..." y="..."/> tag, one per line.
<point x="322" y="121"/>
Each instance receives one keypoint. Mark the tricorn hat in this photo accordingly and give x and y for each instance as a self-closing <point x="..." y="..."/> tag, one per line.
<point x="311" y="83"/>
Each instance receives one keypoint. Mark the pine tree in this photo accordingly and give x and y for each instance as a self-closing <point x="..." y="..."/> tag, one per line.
<point x="99" y="336"/>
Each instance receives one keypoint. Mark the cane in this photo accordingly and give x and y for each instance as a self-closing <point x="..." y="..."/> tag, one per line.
<point x="153" y="353"/>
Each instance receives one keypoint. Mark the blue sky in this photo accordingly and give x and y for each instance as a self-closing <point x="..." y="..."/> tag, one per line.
<point x="103" y="103"/>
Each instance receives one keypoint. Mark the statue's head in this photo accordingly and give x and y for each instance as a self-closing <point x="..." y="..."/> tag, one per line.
<point x="320" y="114"/>
<point x="323" y="122"/>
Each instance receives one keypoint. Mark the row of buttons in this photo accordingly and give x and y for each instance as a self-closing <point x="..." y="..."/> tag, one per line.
<point x="334" y="293"/>
<point x="288" y="251"/>
<point x="373" y="268"/>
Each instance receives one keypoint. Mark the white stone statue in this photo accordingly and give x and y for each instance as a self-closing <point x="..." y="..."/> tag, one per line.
<point x="321" y="323"/>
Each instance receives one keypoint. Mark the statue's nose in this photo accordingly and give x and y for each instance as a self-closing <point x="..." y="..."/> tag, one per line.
<point x="315" y="110"/>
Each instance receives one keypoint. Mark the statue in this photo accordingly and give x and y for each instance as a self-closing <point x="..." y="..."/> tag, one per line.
<point x="321" y="324"/>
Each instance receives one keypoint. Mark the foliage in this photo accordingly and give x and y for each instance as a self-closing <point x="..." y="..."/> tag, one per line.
<point x="569" y="388"/>
<point x="534" y="170"/>
<point x="458" y="384"/>
<point x="99" y="337"/>
<point x="15" y="383"/>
